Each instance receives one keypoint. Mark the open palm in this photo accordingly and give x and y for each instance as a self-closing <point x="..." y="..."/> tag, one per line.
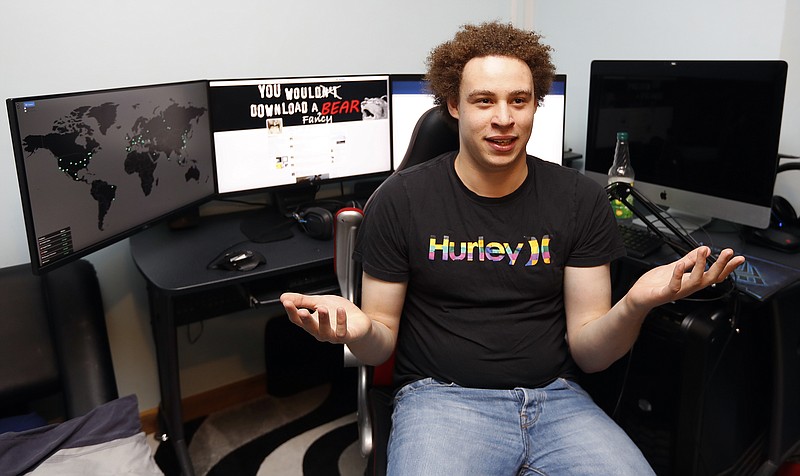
<point x="328" y="318"/>
<point x="681" y="278"/>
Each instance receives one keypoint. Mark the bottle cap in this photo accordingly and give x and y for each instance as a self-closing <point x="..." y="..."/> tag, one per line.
<point x="622" y="136"/>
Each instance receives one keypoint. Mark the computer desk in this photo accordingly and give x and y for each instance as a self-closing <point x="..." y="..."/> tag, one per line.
<point x="182" y="289"/>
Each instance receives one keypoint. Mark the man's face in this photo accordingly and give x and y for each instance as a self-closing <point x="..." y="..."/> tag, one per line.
<point x="495" y="112"/>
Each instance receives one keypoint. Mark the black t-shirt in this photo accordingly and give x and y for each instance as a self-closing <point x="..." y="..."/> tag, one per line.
<point x="484" y="306"/>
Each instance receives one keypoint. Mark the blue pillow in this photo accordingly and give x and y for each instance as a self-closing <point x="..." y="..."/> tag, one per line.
<point x="21" y="422"/>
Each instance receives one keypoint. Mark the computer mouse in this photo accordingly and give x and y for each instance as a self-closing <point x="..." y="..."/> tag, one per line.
<point x="239" y="260"/>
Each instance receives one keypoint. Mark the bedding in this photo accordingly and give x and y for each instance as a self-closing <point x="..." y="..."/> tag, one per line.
<point x="106" y="441"/>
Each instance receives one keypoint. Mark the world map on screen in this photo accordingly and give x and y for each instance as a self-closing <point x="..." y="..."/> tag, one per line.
<point x="152" y="139"/>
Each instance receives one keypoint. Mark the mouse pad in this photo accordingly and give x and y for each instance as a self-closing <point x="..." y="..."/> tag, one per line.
<point x="760" y="278"/>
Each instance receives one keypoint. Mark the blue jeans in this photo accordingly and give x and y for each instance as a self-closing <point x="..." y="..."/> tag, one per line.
<point x="444" y="429"/>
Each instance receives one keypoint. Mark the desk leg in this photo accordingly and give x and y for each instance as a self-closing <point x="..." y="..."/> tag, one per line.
<point x="166" y="342"/>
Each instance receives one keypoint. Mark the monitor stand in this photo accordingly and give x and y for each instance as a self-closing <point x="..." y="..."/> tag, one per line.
<point x="292" y="199"/>
<point x="275" y="223"/>
<point x="267" y="225"/>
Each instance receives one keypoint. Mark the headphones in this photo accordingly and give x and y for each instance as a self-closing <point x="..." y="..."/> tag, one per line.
<point x="316" y="222"/>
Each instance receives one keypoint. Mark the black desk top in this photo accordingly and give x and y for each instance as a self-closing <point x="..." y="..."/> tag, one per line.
<point x="176" y="261"/>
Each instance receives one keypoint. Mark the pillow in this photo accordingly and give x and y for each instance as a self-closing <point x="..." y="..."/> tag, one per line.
<point x="106" y="441"/>
<point x="21" y="422"/>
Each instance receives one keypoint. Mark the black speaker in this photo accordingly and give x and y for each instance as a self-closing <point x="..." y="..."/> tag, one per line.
<point x="316" y="222"/>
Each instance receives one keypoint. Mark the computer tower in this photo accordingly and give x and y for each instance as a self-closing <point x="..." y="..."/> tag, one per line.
<point x="784" y="441"/>
<point x="694" y="392"/>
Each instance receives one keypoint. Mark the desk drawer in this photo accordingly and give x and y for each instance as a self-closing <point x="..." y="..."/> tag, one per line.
<point x="313" y="281"/>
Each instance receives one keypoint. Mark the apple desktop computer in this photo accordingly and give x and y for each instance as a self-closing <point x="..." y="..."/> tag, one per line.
<point x="410" y="98"/>
<point x="703" y="134"/>
<point x="94" y="167"/>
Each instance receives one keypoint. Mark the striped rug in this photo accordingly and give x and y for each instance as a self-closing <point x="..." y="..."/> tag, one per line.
<point x="309" y="433"/>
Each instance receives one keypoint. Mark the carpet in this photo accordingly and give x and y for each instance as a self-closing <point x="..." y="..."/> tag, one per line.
<point x="310" y="433"/>
<point x="304" y="426"/>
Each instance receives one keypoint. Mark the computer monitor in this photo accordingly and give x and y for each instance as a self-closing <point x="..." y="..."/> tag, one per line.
<point x="96" y="166"/>
<point x="410" y="98"/>
<point x="273" y="133"/>
<point x="703" y="134"/>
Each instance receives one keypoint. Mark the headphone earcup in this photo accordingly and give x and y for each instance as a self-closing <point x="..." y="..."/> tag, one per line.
<point x="318" y="223"/>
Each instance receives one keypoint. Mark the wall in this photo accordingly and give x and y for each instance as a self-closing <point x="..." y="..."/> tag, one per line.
<point x="52" y="47"/>
<point x="789" y="182"/>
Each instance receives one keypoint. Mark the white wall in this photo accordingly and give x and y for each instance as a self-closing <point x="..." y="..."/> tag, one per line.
<point x="91" y="44"/>
<point x="51" y="47"/>
<point x="788" y="183"/>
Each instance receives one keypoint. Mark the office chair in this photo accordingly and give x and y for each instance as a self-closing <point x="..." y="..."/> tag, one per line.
<point x="432" y="136"/>
<point x="53" y="342"/>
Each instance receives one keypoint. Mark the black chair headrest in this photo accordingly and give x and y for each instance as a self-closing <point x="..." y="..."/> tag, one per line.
<point x="433" y="135"/>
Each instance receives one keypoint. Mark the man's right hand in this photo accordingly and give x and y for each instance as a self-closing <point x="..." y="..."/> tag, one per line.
<point x="328" y="318"/>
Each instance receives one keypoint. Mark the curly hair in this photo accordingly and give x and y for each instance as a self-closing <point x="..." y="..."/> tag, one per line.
<point x="446" y="62"/>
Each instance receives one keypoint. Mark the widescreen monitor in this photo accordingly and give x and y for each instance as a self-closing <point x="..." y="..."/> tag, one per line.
<point x="410" y="98"/>
<point x="271" y="133"/>
<point x="703" y="134"/>
<point x="96" y="166"/>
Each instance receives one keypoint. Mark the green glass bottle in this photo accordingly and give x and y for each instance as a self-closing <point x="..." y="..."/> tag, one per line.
<point x="621" y="171"/>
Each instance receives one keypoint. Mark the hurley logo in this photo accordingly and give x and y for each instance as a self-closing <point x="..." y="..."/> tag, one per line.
<point x="478" y="250"/>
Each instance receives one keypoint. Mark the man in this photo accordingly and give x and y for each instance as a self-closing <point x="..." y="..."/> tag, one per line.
<point x="488" y="271"/>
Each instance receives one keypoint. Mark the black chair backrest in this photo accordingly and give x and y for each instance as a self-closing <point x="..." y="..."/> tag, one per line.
<point x="433" y="135"/>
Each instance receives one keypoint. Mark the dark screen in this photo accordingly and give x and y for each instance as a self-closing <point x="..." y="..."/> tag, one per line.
<point x="710" y="127"/>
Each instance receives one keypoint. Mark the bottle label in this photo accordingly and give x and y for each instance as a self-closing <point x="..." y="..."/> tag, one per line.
<point x="621" y="211"/>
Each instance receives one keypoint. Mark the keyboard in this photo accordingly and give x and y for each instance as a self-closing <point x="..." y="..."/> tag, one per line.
<point x="640" y="242"/>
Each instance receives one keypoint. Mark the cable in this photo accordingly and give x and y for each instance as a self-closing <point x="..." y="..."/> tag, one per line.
<point x="623" y="385"/>
<point x="193" y="340"/>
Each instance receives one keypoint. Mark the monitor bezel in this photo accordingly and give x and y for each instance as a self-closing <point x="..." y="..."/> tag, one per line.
<point x="398" y="77"/>
<point x="37" y="267"/>
<point x="558" y="78"/>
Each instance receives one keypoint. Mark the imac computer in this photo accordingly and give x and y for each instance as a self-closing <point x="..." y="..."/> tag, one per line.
<point x="410" y="98"/>
<point x="95" y="167"/>
<point x="274" y="133"/>
<point x="703" y="134"/>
